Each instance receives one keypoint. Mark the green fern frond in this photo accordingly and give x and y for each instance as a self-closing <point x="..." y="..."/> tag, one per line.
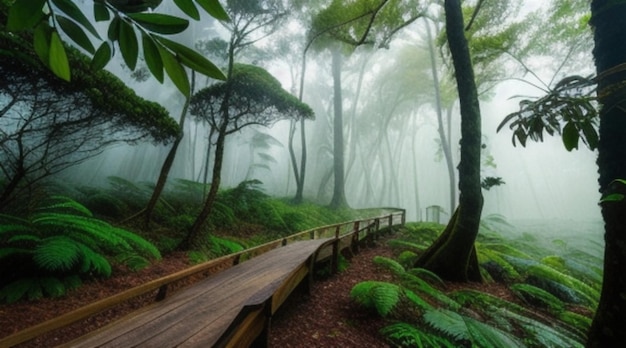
<point x="407" y="258"/>
<point x="403" y="244"/>
<point x="13" y="252"/>
<point x="137" y="243"/>
<point x="407" y="335"/>
<point x="10" y="229"/>
<point x="419" y="285"/>
<point x="133" y="261"/>
<point x="92" y="262"/>
<point x="428" y="275"/>
<point x="62" y="203"/>
<point x="223" y="246"/>
<point x="532" y="294"/>
<point x="390" y="264"/>
<point x="381" y="296"/>
<point x="590" y="294"/>
<point x="487" y="336"/>
<point x="14" y="291"/>
<point x="486" y="255"/>
<point x="448" y="322"/>
<point x="57" y="253"/>
<point x="24" y="238"/>
<point x="417" y="300"/>
<point x="479" y="299"/>
<point x="546" y="335"/>
<point x="577" y="321"/>
<point x="504" y="249"/>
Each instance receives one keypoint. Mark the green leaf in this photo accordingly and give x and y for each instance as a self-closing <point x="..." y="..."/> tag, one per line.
<point x="41" y="41"/>
<point x="128" y="44"/>
<point x="570" y="136"/>
<point x="102" y="56"/>
<point x="100" y="11"/>
<point x="175" y="71"/>
<point x="214" y="8"/>
<point x="614" y="197"/>
<point x="24" y="14"/>
<point x="114" y="29"/>
<point x="58" y="58"/>
<point x="193" y="59"/>
<point x="70" y="9"/>
<point x="160" y="23"/>
<point x="591" y="135"/>
<point x="189" y="8"/>
<point x="152" y="56"/>
<point x="75" y="33"/>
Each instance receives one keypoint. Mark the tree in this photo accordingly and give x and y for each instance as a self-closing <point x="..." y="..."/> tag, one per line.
<point x="48" y="124"/>
<point x="250" y="96"/>
<point x="340" y="27"/>
<point x="610" y="57"/>
<point x="453" y="256"/>
<point x="570" y="109"/>
<point x="46" y="18"/>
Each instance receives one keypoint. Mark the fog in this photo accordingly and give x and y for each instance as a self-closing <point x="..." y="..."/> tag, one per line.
<point x="543" y="181"/>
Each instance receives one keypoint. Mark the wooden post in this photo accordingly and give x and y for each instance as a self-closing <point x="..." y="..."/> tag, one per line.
<point x="355" y="237"/>
<point x="334" y="263"/>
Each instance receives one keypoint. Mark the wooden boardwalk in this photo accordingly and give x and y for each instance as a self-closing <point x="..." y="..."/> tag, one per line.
<point x="231" y="308"/>
<point x="204" y="315"/>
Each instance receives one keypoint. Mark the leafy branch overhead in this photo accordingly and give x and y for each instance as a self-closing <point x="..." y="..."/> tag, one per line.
<point x="570" y="110"/>
<point x="372" y="22"/>
<point x="126" y="21"/>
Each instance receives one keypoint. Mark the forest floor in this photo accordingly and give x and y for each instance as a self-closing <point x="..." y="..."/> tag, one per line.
<point x="326" y="317"/>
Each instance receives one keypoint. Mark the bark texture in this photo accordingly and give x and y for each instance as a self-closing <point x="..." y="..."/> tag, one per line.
<point x="452" y="255"/>
<point x="609" y="323"/>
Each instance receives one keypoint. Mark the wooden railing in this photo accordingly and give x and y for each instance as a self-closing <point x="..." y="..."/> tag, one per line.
<point x="342" y="236"/>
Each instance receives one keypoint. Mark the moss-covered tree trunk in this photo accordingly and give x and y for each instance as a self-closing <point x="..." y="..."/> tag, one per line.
<point x="609" y="324"/>
<point x="452" y="256"/>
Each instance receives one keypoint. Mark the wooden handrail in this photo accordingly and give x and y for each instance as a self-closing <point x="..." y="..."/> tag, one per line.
<point x="162" y="283"/>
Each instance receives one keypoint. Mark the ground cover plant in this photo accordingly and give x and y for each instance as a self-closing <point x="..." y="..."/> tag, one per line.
<point x="82" y="233"/>
<point x="553" y="289"/>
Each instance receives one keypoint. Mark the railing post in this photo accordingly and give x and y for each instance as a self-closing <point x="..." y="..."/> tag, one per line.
<point x="334" y="263"/>
<point x="354" y="244"/>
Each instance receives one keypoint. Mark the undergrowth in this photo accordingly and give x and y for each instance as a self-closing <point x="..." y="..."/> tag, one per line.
<point x="556" y="288"/>
<point x="59" y="245"/>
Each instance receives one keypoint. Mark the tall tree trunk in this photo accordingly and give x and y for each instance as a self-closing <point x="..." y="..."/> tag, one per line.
<point x="339" y="195"/>
<point x="169" y="161"/>
<point x="195" y="238"/>
<point x="609" y="323"/>
<point x="452" y="256"/>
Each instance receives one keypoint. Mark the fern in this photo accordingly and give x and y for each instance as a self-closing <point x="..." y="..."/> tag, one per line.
<point x="424" y="273"/>
<point x="589" y="294"/>
<point x="534" y="295"/>
<point x="57" y="253"/>
<point x="381" y="296"/>
<point x="448" y="322"/>
<point x="62" y="240"/>
<point x="407" y="335"/>
<point x="392" y="265"/>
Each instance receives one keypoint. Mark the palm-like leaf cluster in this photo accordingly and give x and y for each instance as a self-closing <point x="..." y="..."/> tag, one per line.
<point x="58" y="245"/>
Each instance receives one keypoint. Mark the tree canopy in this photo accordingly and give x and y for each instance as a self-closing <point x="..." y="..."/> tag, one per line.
<point x="256" y="97"/>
